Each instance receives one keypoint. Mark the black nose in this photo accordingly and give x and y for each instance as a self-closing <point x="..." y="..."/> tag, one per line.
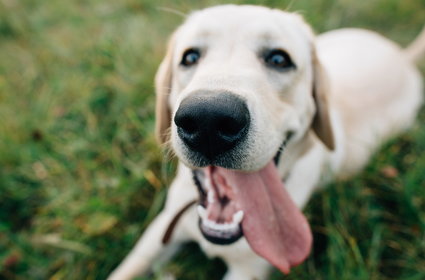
<point x="212" y="123"/>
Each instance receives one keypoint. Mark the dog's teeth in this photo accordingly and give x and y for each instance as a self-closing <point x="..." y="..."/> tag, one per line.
<point x="202" y="212"/>
<point x="210" y="192"/>
<point x="228" y="227"/>
<point x="220" y="227"/>
<point x="211" y="197"/>
<point x="237" y="217"/>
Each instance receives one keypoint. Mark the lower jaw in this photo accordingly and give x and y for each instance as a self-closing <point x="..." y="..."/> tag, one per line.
<point x="215" y="238"/>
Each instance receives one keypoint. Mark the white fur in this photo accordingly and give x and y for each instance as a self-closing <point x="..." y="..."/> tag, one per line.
<point x="374" y="93"/>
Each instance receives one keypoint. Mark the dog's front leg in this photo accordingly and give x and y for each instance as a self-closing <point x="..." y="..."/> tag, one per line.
<point x="148" y="249"/>
<point x="151" y="246"/>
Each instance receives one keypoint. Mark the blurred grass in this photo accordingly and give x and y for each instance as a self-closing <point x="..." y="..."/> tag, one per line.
<point x="81" y="175"/>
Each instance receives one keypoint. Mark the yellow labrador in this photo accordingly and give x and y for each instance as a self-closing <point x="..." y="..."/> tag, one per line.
<point x="260" y="112"/>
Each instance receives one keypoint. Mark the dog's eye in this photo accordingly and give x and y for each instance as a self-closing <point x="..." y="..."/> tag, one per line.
<point x="278" y="59"/>
<point x="190" y="57"/>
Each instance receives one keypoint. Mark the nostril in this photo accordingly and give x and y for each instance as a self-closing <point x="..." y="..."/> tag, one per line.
<point x="187" y="124"/>
<point x="231" y="127"/>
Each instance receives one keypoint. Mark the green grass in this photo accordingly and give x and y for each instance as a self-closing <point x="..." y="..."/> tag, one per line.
<point x="81" y="175"/>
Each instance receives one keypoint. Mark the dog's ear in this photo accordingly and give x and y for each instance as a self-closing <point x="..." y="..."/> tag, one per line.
<point x="163" y="81"/>
<point x="321" y="122"/>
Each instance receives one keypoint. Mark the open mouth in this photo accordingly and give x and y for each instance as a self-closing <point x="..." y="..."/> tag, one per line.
<point x="254" y="205"/>
<point x="220" y="216"/>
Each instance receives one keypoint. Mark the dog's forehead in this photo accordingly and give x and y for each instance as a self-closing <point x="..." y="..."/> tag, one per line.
<point x="245" y="23"/>
<point x="230" y="17"/>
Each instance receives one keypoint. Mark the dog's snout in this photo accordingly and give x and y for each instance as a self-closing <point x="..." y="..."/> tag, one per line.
<point x="212" y="123"/>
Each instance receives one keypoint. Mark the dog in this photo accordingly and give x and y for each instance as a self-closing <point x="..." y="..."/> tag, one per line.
<point x="260" y="112"/>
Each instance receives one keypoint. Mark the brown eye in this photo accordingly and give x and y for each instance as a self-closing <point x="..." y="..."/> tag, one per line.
<point x="278" y="59"/>
<point x="190" y="57"/>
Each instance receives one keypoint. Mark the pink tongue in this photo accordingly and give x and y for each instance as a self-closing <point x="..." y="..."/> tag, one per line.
<point x="273" y="225"/>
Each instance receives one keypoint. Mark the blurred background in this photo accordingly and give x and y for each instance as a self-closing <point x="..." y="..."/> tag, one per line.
<point x="81" y="175"/>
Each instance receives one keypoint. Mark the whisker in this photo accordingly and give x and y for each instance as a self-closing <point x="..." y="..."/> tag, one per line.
<point x="289" y="6"/>
<point x="172" y="11"/>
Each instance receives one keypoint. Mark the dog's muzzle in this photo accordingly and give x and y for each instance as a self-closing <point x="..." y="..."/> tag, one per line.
<point x="211" y="124"/>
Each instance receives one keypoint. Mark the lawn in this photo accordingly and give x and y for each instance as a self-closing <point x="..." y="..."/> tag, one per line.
<point x="81" y="175"/>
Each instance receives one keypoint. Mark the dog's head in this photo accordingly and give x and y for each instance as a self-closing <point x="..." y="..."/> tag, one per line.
<point x="237" y="83"/>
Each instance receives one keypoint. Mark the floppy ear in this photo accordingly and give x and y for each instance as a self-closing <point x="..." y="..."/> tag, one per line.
<point x="321" y="122"/>
<point x="163" y="80"/>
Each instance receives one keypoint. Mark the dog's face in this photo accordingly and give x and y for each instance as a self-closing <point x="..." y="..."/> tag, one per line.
<point x="238" y="83"/>
<point x="223" y="55"/>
